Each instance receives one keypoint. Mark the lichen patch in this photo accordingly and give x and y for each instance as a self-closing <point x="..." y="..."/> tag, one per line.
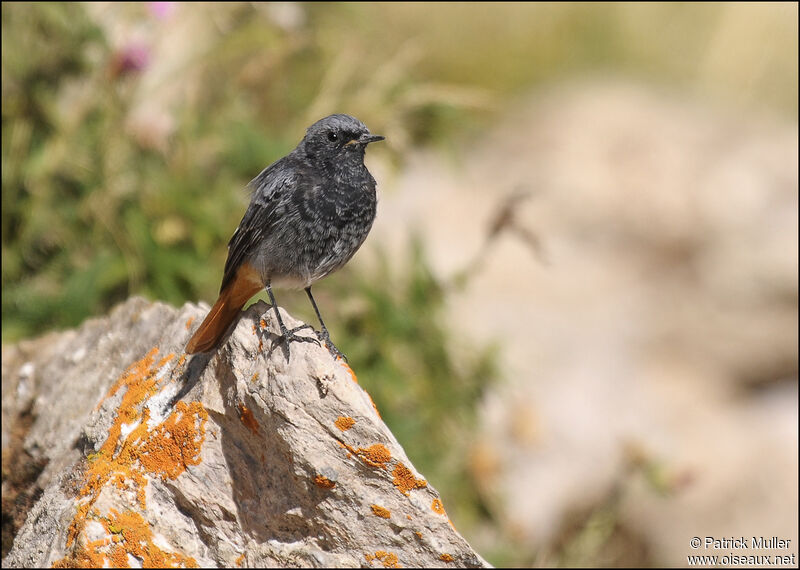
<point x="133" y="453"/>
<point x="324" y="482"/>
<point x="344" y="423"/>
<point x="437" y="507"/>
<point x="387" y="559"/>
<point x="405" y="481"/>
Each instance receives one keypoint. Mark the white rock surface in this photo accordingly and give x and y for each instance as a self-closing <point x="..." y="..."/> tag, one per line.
<point x="240" y="459"/>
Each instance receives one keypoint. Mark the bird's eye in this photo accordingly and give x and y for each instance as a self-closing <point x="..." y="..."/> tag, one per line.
<point x="332" y="136"/>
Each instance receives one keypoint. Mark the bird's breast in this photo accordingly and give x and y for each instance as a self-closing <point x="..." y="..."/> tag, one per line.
<point x="338" y="205"/>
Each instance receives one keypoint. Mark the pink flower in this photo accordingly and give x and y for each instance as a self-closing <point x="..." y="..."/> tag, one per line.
<point x="161" y="10"/>
<point x="131" y="58"/>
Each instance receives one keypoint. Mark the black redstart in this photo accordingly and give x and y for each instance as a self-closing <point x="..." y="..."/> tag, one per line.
<point x="309" y="213"/>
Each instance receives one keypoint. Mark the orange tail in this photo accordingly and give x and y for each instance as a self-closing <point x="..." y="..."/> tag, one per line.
<point x="231" y="300"/>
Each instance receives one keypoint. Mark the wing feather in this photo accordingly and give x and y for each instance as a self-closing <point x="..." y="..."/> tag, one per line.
<point x="268" y="188"/>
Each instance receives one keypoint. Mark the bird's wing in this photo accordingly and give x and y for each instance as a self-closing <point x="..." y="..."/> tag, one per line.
<point x="274" y="181"/>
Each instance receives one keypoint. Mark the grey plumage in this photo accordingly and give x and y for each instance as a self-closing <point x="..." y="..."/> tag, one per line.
<point x="311" y="210"/>
<point x="309" y="213"/>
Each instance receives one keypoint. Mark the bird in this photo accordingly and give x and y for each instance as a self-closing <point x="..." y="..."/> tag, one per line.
<point x="309" y="213"/>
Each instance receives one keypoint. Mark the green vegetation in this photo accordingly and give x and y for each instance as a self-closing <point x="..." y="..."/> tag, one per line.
<point x="124" y="159"/>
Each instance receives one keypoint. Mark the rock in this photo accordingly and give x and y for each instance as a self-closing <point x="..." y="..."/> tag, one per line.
<point x="239" y="458"/>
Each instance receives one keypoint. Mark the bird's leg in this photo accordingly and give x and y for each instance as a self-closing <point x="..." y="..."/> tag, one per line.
<point x="288" y="334"/>
<point x="324" y="336"/>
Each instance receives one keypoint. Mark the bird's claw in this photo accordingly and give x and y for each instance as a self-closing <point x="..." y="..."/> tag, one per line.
<point x="335" y="352"/>
<point x="289" y="336"/>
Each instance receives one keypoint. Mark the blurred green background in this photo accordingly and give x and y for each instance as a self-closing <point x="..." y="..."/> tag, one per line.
<point x="130" y="131"/>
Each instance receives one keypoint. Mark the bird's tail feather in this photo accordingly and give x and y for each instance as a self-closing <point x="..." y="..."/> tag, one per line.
<point x="225" y="310"/>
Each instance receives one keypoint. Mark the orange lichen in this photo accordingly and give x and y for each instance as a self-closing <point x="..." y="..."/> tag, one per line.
<point x="350" y="450"/>
<point x="189" y="323"/>
<point x="165" y="450"/>
<point x="248" y="419"/>
<point x="437" y="507"/>
<point x="324" y="482"/>
<point x="418" y="533"/>
<point x="262" y="325"/>
<point x="254" y="377"/>
<point x="175" y="443"/>
<point x="375" y="455"/>
<point x="405" y="481"/>
<point x="132" y="535"/>
<point x="374" y="407"/>
<point x="118" y="557"/>
<point x="82" y="558"/>
<point x="347" y="368"/>
<point x="344" y="423"/>
<point x="446" y="558"/>
<point x="379" y="511"/>
<point x="239" y="560"/>
<point x="163" y="362"/>
<point x="137" y="539"/>
<point x="388" y="559"/>
<point x="134" y="373"/>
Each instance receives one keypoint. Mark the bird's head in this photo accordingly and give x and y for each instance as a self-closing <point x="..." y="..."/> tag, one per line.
<point x="337" y="138"/>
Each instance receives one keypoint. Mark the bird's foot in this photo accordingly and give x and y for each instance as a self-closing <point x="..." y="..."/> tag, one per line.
<point x="288" y="336"/>
<point x="326" y="338"/>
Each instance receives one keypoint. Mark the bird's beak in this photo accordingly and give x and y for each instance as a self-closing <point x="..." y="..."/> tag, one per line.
<point x="365" y="139"/>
